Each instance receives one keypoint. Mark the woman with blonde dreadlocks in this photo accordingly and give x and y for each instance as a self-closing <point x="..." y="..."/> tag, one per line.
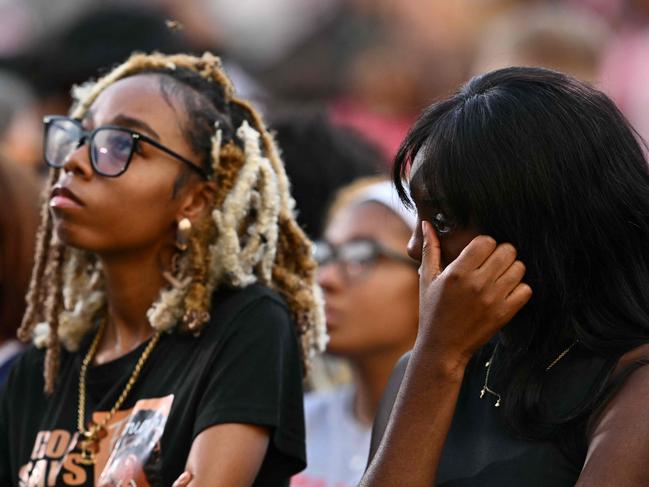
<point x="173" y="305"/>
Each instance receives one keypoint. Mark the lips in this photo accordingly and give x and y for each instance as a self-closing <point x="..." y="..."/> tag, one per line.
<point x="62" y="194"/>
<point x="331" y="315"/>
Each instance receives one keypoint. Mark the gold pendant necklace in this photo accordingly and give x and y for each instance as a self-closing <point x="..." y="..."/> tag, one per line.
<point x="94" y="432"/>
<point x="487" y="390"/>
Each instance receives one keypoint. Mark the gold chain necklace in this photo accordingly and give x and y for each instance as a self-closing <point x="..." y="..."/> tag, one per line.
<point x="94" y="432"/>
<point x="485" y="387"/>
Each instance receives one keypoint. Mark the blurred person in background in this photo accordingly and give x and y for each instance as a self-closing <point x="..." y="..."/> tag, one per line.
<point x="555" y="36"/>
<point x="19" y="122"/>
<point x="320" y="158"/>
<point x="91" y="42"/>
<point x="19" y="218"/>
<point x="84" y="48"/>
<point x="370" y="288"/>
<point x="625" y="68"/>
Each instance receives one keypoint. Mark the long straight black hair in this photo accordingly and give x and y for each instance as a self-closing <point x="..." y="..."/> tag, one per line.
<point x="538" y="159"/>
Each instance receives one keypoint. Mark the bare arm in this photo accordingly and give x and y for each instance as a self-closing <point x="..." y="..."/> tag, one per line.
<point x="618" y="451"/>
<point x="460" y="310"/>
<point x="409" y="451"/>
<point x="225" y="455"/>
<point x="387" y="403"/>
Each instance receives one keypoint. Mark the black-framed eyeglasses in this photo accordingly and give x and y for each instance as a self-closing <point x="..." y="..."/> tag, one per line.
<point x="355" y="257"/>
<point x="110" y="147"/>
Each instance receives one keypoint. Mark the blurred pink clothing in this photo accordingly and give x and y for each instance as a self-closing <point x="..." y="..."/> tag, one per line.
<point x="625" y="76"/>
<point x="386" y="131"/>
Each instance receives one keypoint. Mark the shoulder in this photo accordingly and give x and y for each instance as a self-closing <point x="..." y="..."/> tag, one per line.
<point x="618" y="446"/>
<point x="253" y="317"/>
<point x="234" y="300"/>
<point x="29" y="360"/>
<point x="250" y="305"/>
<point x="26" y="373"/>
<point x="632" y="358"/>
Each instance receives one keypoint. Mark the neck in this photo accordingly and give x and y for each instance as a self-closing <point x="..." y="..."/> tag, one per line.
<point x="133" y="283"/>
<point x="371" y="374"/>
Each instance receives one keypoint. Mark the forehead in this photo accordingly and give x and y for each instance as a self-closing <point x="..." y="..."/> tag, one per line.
<point x="367" y="220"/>
<point x="417" y="185"/>
<point x="138" y="96"/>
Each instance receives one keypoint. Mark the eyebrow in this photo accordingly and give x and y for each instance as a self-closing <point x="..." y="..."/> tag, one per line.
<point x="131" y="122"/>
<point x="125" y="120"/>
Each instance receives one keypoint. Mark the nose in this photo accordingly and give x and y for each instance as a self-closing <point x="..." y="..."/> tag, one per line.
<point x="330" y="276"/>
<point x="415" y="243"/>
<point x="78" y="162"/>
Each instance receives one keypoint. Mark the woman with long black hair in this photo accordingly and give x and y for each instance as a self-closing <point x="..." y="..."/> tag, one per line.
<point x="532" y="193"/>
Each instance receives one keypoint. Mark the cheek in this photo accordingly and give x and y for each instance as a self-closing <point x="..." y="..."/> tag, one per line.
<point x="382" y="313"/>
<point x="453" y="244"/>
<point x="142" y="216"/>
<point x="121" y="217"/>
<point x="396" y="299"/>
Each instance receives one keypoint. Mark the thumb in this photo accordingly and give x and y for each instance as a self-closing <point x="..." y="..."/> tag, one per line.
<point x="183" y="480"/>
<point x="430" y="254"/>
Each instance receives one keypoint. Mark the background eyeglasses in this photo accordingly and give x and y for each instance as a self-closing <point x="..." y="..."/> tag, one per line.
<point x="356" y="256"/>
<point x="110" y="147"/>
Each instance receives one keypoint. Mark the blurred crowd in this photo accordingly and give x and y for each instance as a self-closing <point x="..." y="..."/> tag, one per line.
<point x="340" y="82"/>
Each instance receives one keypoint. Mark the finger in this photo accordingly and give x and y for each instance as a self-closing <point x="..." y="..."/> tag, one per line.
<point x="474" y="254"/>
<point x="498" y="262"/>
<point x="511" y="277"/>
<point x="183" y="480"/>
<point x="430" y="266"/>
<point x="517" y="299"/>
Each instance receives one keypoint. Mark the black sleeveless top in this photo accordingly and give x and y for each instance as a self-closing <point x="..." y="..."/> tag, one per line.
<point x="481" y="450"/>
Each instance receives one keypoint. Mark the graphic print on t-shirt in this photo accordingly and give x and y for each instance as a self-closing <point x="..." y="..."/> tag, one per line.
<point x="128" y="456"/>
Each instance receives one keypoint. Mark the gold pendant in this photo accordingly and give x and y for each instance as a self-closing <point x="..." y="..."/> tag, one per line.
<point x="87" y="455"/>
<point x="89" y="446"/>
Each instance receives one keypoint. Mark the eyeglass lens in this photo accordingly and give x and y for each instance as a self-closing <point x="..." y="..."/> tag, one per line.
<point x="61" y="140"/>
<point x="353" y="257"/>
<point x="110" y="148"/>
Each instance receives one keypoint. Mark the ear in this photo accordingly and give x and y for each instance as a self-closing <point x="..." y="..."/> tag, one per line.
<point x="198" y="201"/>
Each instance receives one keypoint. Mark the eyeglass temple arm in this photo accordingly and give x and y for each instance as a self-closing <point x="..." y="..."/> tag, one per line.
<point x="397" y="256"/>
<point x="155" y="143"/>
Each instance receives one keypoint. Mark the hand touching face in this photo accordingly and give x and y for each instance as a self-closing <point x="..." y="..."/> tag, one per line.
<point x="470" y="286"/>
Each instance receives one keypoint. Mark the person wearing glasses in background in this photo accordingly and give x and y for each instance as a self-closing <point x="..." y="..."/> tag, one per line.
<point x="173" y="302"/>
<point x="370" y="287"/>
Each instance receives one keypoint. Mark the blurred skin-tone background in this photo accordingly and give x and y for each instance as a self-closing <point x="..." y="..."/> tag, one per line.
<point x="370" y="64"/>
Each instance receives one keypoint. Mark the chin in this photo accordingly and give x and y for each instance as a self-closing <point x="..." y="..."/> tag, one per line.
<point x="66" y="234"/>
<point x="74" y="237"/>
<point x="339" y="347"/>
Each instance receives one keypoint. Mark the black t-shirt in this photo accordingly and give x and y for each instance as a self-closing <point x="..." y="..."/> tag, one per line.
<point x="244" y="368"/>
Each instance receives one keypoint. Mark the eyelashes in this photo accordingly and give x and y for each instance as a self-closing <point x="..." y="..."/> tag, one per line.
<point x="441" y="224"/>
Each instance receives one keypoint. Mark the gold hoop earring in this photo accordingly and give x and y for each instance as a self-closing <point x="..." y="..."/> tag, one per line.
<point x="183" y="234"/>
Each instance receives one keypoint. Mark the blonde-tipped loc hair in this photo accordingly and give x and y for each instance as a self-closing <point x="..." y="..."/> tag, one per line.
<point x="250" y="236"/>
